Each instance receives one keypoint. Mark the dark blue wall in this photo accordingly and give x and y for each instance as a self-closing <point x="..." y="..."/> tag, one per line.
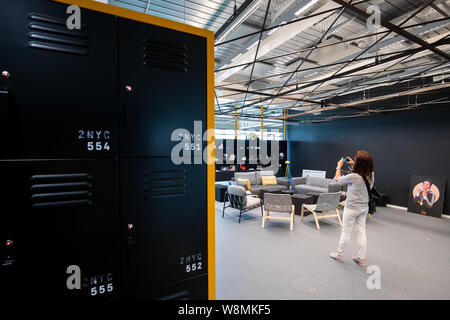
<point x="401" y="144"/>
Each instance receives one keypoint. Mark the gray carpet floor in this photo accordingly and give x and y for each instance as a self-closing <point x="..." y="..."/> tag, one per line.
<point x="412" y="252"/>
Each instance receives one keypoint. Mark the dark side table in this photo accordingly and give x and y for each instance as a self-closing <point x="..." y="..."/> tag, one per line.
<point x="220" y="191"/>
<point x="300" y="199"/>
<point x="314" y="195"/>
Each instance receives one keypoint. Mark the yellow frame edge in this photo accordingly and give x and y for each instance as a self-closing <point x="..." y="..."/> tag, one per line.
<point x="138" y="16"/>
<point x="211" y="170"/>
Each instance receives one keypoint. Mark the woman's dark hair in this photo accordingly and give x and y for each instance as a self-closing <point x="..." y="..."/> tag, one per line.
<point x="363" y="164"/>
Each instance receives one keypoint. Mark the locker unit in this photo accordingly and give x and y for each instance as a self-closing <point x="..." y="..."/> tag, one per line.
<point x="92" y="204"/>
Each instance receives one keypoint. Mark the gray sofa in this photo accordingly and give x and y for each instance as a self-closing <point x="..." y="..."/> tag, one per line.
<point x="256" y="184"/>
<point x="305" y="185"/>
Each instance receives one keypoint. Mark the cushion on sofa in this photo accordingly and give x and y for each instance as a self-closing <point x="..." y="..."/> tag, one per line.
<point x="304" y="188"/>
<point x="245" y="182"/>
<point x="272" y="187"/>
<point x="269" y="180"/>
<point x="318" y="182"/>
<point x="298" y="180"/>
<point x="246" y="175"/>
<point x="260" y="174"/>
<point x="283" y="182"/>
<point x="256" y="188"/>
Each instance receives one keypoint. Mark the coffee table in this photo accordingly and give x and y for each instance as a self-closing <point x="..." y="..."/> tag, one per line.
<point x="314" y="195"/>
<point x="268" y="190"/>
<point x="298" y="200"/>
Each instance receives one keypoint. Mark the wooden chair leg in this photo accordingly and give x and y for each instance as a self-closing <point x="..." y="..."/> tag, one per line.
<point x="292" y="220"/>
<point x="302" y="213"/>
<point x="267" y="215"/>
<point x="339" y="217"/>
<point x="263" y="219"/>
<point x="317" y="220"/>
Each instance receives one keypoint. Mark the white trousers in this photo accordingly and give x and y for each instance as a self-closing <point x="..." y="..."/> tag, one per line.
<point x="351" y="216"/>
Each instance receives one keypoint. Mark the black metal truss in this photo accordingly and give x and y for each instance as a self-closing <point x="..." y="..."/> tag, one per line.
<point x="335" y="75"/>
<point x="233" y="17"/>
<point x="320" y="82"/>
<point x="287" y="97"/>
<point x="365" y="110"/>
<point x="309" y="69"/>
<point x="383" y="37"/>
<point x="393" y="83"/>
<point x="257" y="50"/>
<point x="349" y="72"/>
<point x="326" y="45"/>
<point x="394" y="28"/>
<point x="309" y="53"/>
<point x="274" y="27"/>
<point x="333" y="116"/>
<point x="362" y="82"/>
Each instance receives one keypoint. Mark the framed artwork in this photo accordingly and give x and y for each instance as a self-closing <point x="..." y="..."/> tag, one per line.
<point x="313" y="173"/>
<point x="426" y="195"/>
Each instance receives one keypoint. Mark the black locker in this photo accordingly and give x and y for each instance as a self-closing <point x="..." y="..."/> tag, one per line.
<point x="165" y="71"/>
<point x="59" y="213"/>
<point x="61" y="91"/>
<point x="167" y="233"/>
<point x="162" y="87"/>
<point x="86" y="118"/>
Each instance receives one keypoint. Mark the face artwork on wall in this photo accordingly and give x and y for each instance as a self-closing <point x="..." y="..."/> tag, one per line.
<point x="426" y="195"/>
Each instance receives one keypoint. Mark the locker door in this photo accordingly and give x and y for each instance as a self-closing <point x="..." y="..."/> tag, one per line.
<point x="162" y="87"/>
<point x="164" y="220"/>
<point x="60" y="97"/>
<point x="59" y="214"/>
<point x="191" y="289"/>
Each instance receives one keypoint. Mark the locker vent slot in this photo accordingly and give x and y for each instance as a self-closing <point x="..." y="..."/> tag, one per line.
<point x="165" y="55"/>
<point x="60" y="190"/>
<point x="50" y="33"/>
<point x="165" y="183"/>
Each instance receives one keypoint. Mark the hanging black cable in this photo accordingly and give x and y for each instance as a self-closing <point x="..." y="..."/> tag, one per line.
<point x="256" y="53"/>
<point x="310" y="52"/>
<point x="320" y="82"/>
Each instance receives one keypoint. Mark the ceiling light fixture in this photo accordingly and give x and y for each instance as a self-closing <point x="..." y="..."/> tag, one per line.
<point x="252" y="45"/>
<point x="306" y="7"/>
<point x="240" y="54"/>
<point x="276" y="29"/>
<point x="237" y="22"/>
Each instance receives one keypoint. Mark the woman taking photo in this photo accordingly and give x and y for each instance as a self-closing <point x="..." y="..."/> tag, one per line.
<point x="357" y="203"/>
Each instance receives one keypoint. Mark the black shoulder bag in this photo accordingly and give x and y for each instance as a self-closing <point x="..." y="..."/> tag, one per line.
<point x="372" y="205"/>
